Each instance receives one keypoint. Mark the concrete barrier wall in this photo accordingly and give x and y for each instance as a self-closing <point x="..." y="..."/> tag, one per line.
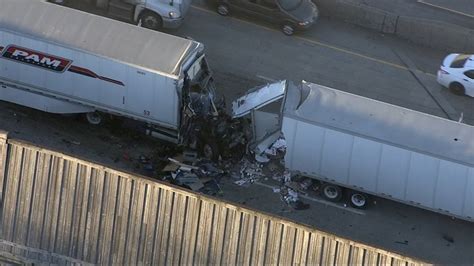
<point x="354" y="13"/>
<point x="435" y="34"/>
<point x="56" y="209"/>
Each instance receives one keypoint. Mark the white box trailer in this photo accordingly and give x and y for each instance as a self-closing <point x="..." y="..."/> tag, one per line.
<point x="361" y="145"/>
<point x="61" y="60"/>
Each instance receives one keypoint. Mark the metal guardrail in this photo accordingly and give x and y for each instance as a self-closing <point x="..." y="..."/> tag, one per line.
<point x="61" y="209"/>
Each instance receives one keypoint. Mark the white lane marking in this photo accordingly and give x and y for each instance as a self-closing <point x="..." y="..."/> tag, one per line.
<point x="445" y="8"/>
<point x="359" y="212"/>
<point x="266" y="78"/>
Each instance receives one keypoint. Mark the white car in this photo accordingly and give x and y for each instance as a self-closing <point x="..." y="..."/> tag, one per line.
<point x="457" y="74"/>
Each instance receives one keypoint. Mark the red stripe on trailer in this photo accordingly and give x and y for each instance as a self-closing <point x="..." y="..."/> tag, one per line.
<point x="89" y="73"/>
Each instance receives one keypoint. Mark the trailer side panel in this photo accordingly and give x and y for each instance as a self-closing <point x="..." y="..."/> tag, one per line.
<point x="379" y="168"/>
<point x="87" y="79"/>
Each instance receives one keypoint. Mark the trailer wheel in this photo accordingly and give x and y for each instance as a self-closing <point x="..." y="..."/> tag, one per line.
<point x="94" y="118"/>
<point x="358" y="199"/>
<point x="332" y="192"/>
<point x="150" y="20"/>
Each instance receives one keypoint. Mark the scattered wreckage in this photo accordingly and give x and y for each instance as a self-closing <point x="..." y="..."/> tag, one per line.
<point x="201" y="175"/>
<point x="204" y="176"/>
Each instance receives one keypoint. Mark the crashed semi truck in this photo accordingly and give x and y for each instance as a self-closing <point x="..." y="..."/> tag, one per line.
<point x="152" y="14"/>
<point x="356" y="147"/>
<point x="64" y="61"/>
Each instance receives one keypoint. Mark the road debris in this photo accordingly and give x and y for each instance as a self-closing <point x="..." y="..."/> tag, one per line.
<point x="171" y="168"/>
<point x="190" y="171"/>
<point x="69" y="142"/>
<point x="183" y="166"/>
<point x="448" y="238"/>
<point x="278" y="147"/>
<point x="291" y="197"/>
<point x="306" y="183"/>
<point x="262" y="158"/>
<point x="276" y="152"/>
<point x="201" y="176"/>
<point x="403" y="243"/>
<point x="249" y="172"/>
<point x="289" y="192"/>
<point x="190" y="156"/>
<point x="188" y="179"/>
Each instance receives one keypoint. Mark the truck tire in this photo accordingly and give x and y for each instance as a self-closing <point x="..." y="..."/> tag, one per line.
<point x="288" y="29"/>
<point x="331" y="192"/>
<point x="94" y="118"/>
<point x="358" y="199"/>
<point x="150" y="20"/>
<point x="457" y="88"/>
<point x="223" y="9"/>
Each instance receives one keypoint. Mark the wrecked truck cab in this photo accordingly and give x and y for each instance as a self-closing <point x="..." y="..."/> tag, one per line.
<point x="208" y="128"/>
<point x="202" y="109"/>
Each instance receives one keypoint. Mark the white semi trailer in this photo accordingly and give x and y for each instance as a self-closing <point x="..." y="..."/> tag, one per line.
<point x="366" y="147"/>
<point x="64" y="61"/>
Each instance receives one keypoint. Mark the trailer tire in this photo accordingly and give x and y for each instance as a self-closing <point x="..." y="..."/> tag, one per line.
<point x="358" y="199"/>
<point x="331" y="192"/>
<point x="150" y="20"/>
<point x="94" y="118"/>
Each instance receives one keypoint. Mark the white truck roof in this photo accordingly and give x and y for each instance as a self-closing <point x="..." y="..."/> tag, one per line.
<point x="155" y="51"/>
<point x="382" y="121"/>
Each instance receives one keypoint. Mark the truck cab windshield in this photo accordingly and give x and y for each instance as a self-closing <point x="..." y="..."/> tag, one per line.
<point x="289" y="5"/>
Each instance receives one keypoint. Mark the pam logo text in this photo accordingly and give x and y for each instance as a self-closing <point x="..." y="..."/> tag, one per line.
<point x="36" y="58"/>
